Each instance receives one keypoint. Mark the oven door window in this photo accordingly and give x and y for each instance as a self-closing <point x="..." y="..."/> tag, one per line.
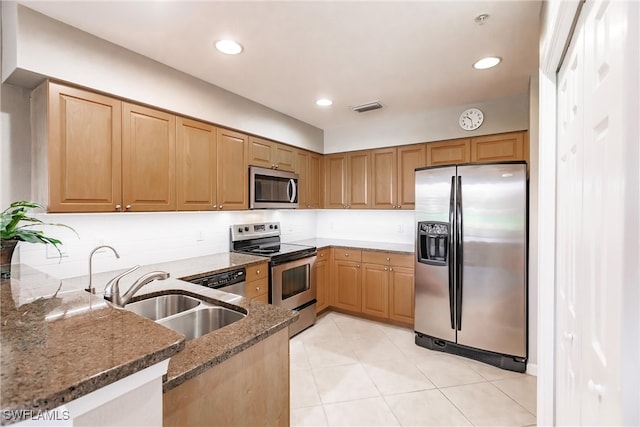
<point x="295" y="281"/>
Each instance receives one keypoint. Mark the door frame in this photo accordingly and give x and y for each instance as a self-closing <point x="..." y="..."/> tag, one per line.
<point x="556" y="30"/>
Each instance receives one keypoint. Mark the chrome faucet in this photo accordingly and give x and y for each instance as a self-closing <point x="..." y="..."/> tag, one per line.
<point x="90" y="288"/>
<point x="112" y="290"/>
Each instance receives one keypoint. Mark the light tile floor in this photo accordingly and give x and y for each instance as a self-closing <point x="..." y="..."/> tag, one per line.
<point x="347" y="371"/>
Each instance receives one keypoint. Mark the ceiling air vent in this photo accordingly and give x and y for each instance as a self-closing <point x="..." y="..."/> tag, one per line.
<point x="367" y="107"/>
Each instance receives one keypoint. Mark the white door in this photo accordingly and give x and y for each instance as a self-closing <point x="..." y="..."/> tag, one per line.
<point x="597" y="219"/>
<point x="570" y="153"/>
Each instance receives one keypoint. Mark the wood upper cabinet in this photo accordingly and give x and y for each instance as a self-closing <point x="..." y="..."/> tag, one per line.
<point x="449" y="152"/>
<point x="309" y="169"/>
<point x="148" y="159"/>
<point x="80" y="150"/>
<point x="384" y="167"/>
<point x="501" y="147"/>
<point x="322" y="272"/>
<point x="232" y="189"/>
<point x="196" y="165"/>
<point x="348" y="178"/>
<point x="359" y="176"/>
<point x="271" y="155"/>
<point x="393" y="172"/>
<point x="410" y="158"/>
<point x="336" y="181"/>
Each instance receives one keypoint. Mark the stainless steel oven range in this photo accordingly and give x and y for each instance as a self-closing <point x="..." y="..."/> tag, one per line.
<point x="292" y="283"/>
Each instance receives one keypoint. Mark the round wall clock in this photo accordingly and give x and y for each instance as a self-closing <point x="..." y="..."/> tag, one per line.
<point x="471" y="119"/>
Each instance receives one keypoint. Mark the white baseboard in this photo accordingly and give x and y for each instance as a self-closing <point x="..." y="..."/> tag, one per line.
<point x="532" y="369"/>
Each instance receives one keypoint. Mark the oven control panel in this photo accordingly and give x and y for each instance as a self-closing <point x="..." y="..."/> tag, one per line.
<point x="254" y="231"/>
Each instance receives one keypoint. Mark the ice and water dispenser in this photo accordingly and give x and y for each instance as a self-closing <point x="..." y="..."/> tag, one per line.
<point x="433" y="242"/>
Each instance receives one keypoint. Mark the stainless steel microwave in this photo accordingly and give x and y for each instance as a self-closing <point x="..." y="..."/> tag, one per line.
<point x="272" y="189"/>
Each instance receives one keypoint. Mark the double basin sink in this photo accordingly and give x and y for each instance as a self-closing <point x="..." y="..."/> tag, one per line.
<point x="187" y="315"/>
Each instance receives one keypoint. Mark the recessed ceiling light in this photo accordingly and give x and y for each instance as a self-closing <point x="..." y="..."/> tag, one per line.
<point x="488" y="62"/>
<point x="324" y="102"/>
<point x="229" y="47"/>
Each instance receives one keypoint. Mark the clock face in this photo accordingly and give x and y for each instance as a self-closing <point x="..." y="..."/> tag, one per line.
<point x="471" y="119"/>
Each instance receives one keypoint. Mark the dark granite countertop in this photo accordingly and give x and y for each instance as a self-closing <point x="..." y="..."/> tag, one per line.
<point x="405" y="248"/>
<point x="55" y="356"/>
<point x="59" y="344"/>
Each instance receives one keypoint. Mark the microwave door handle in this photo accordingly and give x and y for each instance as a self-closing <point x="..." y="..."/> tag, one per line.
<point x="291" y="190"/>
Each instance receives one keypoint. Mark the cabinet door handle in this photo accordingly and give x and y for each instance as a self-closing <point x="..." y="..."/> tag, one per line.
<point x="390" y="268"/>
<point x="118" y="207"/>
<point x="220" y="207"/>
<point x="257" y="271"/>
<point x="346" y="254"/>
<point x="321" y="255"/>
<point x="399" y="206"/>
<point x="257" y="288"/>
<point x="128" y="207"/>
<point x="357" y="265"/>
<point x="348" y="206"/>
<point x="385" y="269"/>
<point x="215" y="206"/>
<point x="388" y="259"/>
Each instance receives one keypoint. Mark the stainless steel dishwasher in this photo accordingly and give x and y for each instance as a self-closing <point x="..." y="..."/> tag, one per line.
<point x="232" y="281"/>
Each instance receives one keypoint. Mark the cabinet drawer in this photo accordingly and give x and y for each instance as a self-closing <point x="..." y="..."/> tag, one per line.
<point x="257" y="271"/>
<point x="256" y="287"/>
<point x="388" y="258"/>
<point x="324" y="254"/>
<point x="347" y="254"/>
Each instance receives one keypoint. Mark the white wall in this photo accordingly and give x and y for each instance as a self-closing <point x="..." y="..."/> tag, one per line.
<point x="145" y="238"/>
<point x="368" y="225"/>
<point x="45" y="47"/>
<point x="15" y="145"/>
<point x="374" y="131"/>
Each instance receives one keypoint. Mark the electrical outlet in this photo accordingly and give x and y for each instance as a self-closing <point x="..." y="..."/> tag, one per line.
<point x="52" y="253"/>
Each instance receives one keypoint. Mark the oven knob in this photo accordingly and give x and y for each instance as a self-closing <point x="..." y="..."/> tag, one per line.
<point x="275" y="226"/>
<point x="240" y="230"/>
<point x="271" y="226"/>
<point x="246" y="229"/>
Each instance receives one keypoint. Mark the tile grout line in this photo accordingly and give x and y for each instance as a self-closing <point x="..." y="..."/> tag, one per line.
<point x="519" y="404"/>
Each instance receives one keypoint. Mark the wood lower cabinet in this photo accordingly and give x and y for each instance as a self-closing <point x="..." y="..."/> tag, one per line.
<point x="449" y="152"/>
<point x="402" y="294"/>
<point x="501" y="147"/>
<point x="375" y="290"/>
<point x="347" y="278"/>
<point x="257" y="283"/>
<point x="271" y="154"/>
<point x="232" y="185"/>
<point x="76" y="149"/>
<point x="148" y="159"/>
<point x="322" y="271"/>
<point x="250" y="388"/>
<point x="196" y="165"/>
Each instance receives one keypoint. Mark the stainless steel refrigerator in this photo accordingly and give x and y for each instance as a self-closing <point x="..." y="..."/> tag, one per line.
<point x="471" y="262"/>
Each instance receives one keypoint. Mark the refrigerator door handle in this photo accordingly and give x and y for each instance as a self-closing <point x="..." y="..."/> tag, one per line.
<point x="450" y="258"/>
<point x="459" y="257"/>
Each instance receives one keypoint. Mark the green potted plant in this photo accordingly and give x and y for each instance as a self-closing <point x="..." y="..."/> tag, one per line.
<point x="13" y="230"/>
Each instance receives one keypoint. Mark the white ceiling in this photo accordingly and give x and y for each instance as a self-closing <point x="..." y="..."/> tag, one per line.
<point x="411" y="56"/>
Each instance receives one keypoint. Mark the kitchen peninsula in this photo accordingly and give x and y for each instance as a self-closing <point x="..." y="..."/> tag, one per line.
<point x="60" y="344"/>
